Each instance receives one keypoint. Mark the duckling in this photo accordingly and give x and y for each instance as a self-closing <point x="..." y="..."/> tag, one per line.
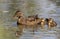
<point x="30" y="21"/>
<point x="31" y="18"/>
<point x="51" y="23"/>
<point x="37" y="19"/>
<point x="42" y="23"/>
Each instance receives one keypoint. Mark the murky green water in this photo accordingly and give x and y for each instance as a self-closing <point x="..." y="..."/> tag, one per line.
<point x="44" y="8"/>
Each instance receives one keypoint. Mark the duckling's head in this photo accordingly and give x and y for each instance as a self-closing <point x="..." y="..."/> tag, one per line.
<point x="50" y="19"/>
<point x="42" y="19"/>
<point x="30" y="18"/>
<point x="36" y="16"/>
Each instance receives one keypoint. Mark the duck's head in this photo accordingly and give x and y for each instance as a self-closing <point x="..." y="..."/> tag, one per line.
<point x="18" y="14"/>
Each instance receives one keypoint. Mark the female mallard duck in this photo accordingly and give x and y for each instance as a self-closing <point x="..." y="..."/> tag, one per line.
<point x="19" y="15"/>
<point x="51" y="23"/>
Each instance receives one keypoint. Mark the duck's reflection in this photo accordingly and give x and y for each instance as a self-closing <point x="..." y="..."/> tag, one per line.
<point x="32" y="29"/>
<point x="20" y="31"/>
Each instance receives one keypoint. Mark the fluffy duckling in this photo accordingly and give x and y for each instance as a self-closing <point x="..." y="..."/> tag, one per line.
<point x="37" y="19"/>
<point x="42" y="23"/>
<point x="30" y="21"/>
<point x="51" y="23"/>
<point x="30" y="18"/>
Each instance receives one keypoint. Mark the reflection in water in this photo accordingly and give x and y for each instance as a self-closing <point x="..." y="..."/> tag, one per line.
<point x="34" y="32"/>
<point x="23" y="28"/>
<point x="20" y="31"/>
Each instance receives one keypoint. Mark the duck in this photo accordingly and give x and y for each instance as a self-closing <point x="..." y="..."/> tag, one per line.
<point x="37" y="19"/>
<point x="30" y="21"/>
<point x="42" y="23"/>
<point x="50" y="22"/>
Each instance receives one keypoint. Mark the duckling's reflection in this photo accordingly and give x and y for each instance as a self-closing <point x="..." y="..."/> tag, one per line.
<point x="32" y="29"/>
